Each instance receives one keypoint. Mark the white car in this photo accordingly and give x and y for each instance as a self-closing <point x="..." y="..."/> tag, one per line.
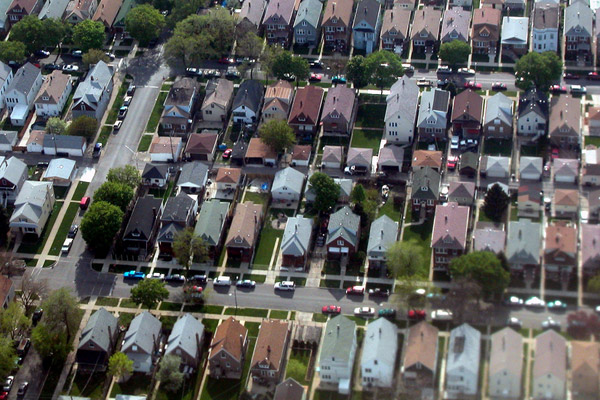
<point x="585" y="215"/>
<point x="444" y="69"/>
<point x="442" y="315"/>
<point x="285" y="285"/>
<point x="67" y="245"/>
<point x="578" y="90"/>
<point x="364" y="311"/>
<point x="514" y="301"/>
<point x="156" y="275"/>
<point x="222" y="281"/>
<point x="466" y="71"/>
<point x="514" y="322"/>
<point x="71" y="68"/>
<point x="550" y="323"/>
<point x="454" y="143"/>
<point x="535" y="302"/>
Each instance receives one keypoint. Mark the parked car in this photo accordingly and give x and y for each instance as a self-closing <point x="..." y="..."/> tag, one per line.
<point x="387" y="312"/>
<point x="73" y="231"/>
<point x="556" y="305"/>
<point x="499" y="86"/>
<point x="289" y="77"/>
<point x="8" y="383"/>
<point x="338" y="79"/>
<point x="193" y="72"/>
<point x="452" y="162"/>
<point x="593" y="76"/>
<point x="37" y="316"/>
<point x="117" y="125"/>
<point x="22" y="390"/>
<point x="442" y="83"/>
<point x="554" y="153"/>
<point x="514" y="322"/>
<point x="423" y="83"/>
<point x="66" y="247"/>
<point x="558" y="89"/>
<point x="356" y="290"/>
<point x="408" y="69"/>
<point x="315" y="77"/>
<point x="70" y="68"/>
<point x="211" y="73"/>
<point x="175" y="278"/>
<point x="444" y="69"/>
<point x="193" y="290"/>
<point x="285" y="286"/>
<point x="232" y="73"/>
<point x="416" y="315"/>
<point x="97" y="150"/>
<point x="122" y="112"/>
<point x="317" y="64"/>
<point x="513" y="301"/>
<point x="222" y="280"/>
<point x="134" y="275"/>
<point x="227" y="154"/>
<point x="131" y="90"/>
<point x="578" y="90"/>
<point x="110" y="55"/>
<point x="473" y="85"/>
<point x="246" y="283"/>
<point x="52" y="67"/>
<point x="23" y="347"/>
<point x="3" y="395"/>
<point x="378" y="292"/>
<point x="156" y="275"/>
<point x="550" y="323"/>
<point x="441" y="315"/>
<point x="364" y="311"/>
<point x="127" y="101"/>
<point x="77" y="53"/>
<point x="466" y="71"/>
<point x="331" y="309"/>
<point x="569" y="75"/>
<point x="535" y="302"/>
<point x="198" y="279"/>
<point x="226" y="60"/>
<point x="454" y="143"/>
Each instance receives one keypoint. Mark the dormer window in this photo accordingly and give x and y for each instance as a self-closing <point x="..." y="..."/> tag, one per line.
<point x="454" y="35"/>
<point x="334" y="20"/>
<point x="484" y="34"/>
<point x="424" y="188"/>
<point x="301" y="119"/>
<point x="423" y="34"/>
<point x="135" y="234"/>
<point x="45" y="98"/>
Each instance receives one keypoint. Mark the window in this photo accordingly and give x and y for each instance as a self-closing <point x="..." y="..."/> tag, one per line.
<point x="330" y="29"/>
<point x="223" y="355"/>
<point x="340" y="29"/>
<point x="368" y="370"/>
<point x="45" y="98"/>
<point x="228" y="365"/>
<point x="334" y="20"/>
<point x="340" y="242"/>
<point x="304" y="23"/>
<point x="183" y="126"/>
<point x="208" y="112"/>
<point x="328" y="37"/>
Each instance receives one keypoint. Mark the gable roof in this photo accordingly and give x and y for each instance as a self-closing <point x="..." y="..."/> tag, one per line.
<point x="434" y="106"/>
<point x="343" y="224"/>
<point x="495" y="163"/>
<point x="523" y="241"/>
<point x="53" y="9"/>
<point x="427" y="158"/>
<point x="201" y="143"/>
<point x="469" y="159"/>
<point x="301" y="152"/>
<point x="307" y="104"/>
<point x="24" y="79"/>
<point x="487" y="16"/>
<point x="340" y="10"/>
<point x="463" y="350"/>
<point x="565" y="166"/>
<point x="90" y="91"/>
<point x="101" y="329"/>
<point x="489" y="238"/>
<point x="228" y="175"/>
<point x="426" y="20"/>
<point x="181" y="92"/>
<point x="506" y="352"/>
<point x="380" y="343"/>
<point x="450" y="226"/>
<point x="53" y="87"/>
<point x="545" y="15"/>
<point x="177" y="208"/>
<point x="296" y="236"/>
<point x="143" y="332"/>
<point x="368" y="11"/>
<point x="391" y="156"/>
<point x="253" y="11"/>
<point x="258" y="149"/>
<point x="359" y="156"/>
<point x="242" y="232"/>
<point x="211" y="219"/>
<point x="384" y="232"/>
<point x="12" y="169"/>
<point x="64" y="142"/>
<point x="578" y="16"/>
<point x="530" y="165"/>
<point x="27" y="5"/>
<point x="566" y="197"/>
<point x="529" y="192"/>
<point x="533" y="100"/>
<point x="282" y="90"/>
<point x="397" y="19"/>
<point x="403" y="99"/>
<point x="230" y="336"/>
<point x="142" y="219"/>
<point x="332" y="154"/>
<point x="193" y="174"/>
<point x="421" y="346"/>
<point x="270" y="347"/>
<point x="309" y="11"/>
<point x="282" y="8"/>
<point x="428" y="178"/>
<point x="467" y="102"/>
<point x="289" y="389"/>
<point x="31" y="199"/>
<point x="339" y="336"/>
<point x="155" y="171"/>
<point x="288" y="179"/>
<point x="565" y="111"/>
<point x="590" y="244"/>
<point x="107" y="11"/>
<point x="339" y="99"/>
<point x="249" y="94"/>
<point x="514" y="30"/>
<point x="218" y="91"/>
<point x="550" y="355"/>
<point x="499" y="106"/>
<point x="585" y="359"/>
<point x="186" y="335"/>
<point x="560" y="237"/>
<point x="456" y="20"/>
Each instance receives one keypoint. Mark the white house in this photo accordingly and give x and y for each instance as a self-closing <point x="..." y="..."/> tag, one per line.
<point x="332" y="156"/>
<point x="506" y="364"/>
<point x="365" y="29"/>
<point x="338" y="349"/>
<point x="401" y="111"/>
<point x="60" y="171"/>
<point x="72" y="146"/>
<point x="565" y="170"/>
<point x="8" y="139"/>
<point x="13" y="174"/>
<point x="545" y="27"/>
<point x="165" y="149"/>
<point x="141" y="342"/>
<point x="33" y="206"/>
<point x="287" y="186"/>
<point x="21" y="93"/>
<point x="53" y="94"/>
<point x="380" y="347"/>
<point x="462" y="367"/>
<point x="384" y="232"/>
<point x="550" y="366"/>
<point x="6" y="77"/>
<point x="532" y="117"/>
<point x="247" y="102"/>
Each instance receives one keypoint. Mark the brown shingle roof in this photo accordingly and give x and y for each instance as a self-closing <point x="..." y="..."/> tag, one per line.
<point x="340" y="99"/>
<point x="587" y="355"/>
<point x="565" y="111"/>
<point x="228" y="175"/>
<point x="506" y="352"/>
<point x="301" y="153"/>
<point x="279" y="90"/>
<point x="398" y="19"/>
<point x="107" y="11"/>
<point x="566" y="197"/>
<point x="257" y="149"/>
<point x="307" y="104"/>
<point x="53" y="87"/>
<point x="421" y="345"/>
<point x="550" y="355"/>
<point x="561" y="237"/>
<point x="201" y="143"/>
<point x="467" y="102"/>
<point x="450" y="226"/>
<point x="530" y="192"/>
<point x="427" y="158"/>
<point x="181" y="92"/>
<point x="545" y="15"/>
<point x="341" y="9"/>
<point x="270" y="345"/>
<point x="332" y="153"/>
<point x="594" y="113"/>
<point x="28" y="5"/>
<point x="289" y="389"/>
<point x="227" y="337"/>
<point x="219" y="92"/>
<point x="5" y="285"/>
<point x="242" y="232"/>
<point x="428" y="20"/>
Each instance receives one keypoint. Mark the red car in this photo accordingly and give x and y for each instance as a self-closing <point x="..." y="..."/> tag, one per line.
<point x="473" y="85"/>
<point x="554" y="153"/>
<point x="193" y="289"/>
<point x="416" y="315"/>
<point x="452" y="161"/>
<point x="332" y="309"/>
<point x="227" y="154"/>
<point x="315" y="77"/>
<point x="593" y="76"/>
<point x="355" y="290"/>
<point x="226" y="60"/>
<point x="3" y="395"/>
<point x="558" y="89"/>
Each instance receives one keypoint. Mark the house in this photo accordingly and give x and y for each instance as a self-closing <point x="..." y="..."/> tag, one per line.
<point x="465" y="4"/>
<point x="565" y="122"/>
<point x="523" y="245"/>
<point x="13" y="174"/>
<point x="338" y="349"/>
<point x="186" y="340"/>
<point x="140" y="232"/>
<point x="278" y="100"/>
<point x="498" y="118"/>
<point x="394" y="29"/>
<point x="306" y="24"/>
<point x="301" y="155"/>
<point x="468" y="164"/>
<point x="594" y="120"/>
<point x="295" y="242"/>
<point x="495" y="166"/>
<point x="433" y="115"/>
<point x="217" y="101"/>
<point x="33" y="206"/>
<point x="107" y="12"/>
<point x="404" y="4"/>
<point x="384" y="232"/>
<point x="449" y="237"/>
<point x="179" y="107"/>
<point x="529" y="201"/>
<point x="287" y="187"/>
<point x="427" y="158"/>
<point x="142" y="342"/>
<point x="426" y="190"/>
<point x="467" y="113"/>
<point x="7" y="291"/>
<point x="193" y="177"/>
<point x="53" y="94"/>
<point x="250" y="16"/>
<point x="531" y="168"/>
<point x="420" y="356"/>
<point x="165" y="149"/>
<point x="6" y="72"/>
<point x="4" y="21"/>
<point x="21" y="93"/>
<point x="212" y="218"/>
<point x="585" y="364"/>
<point x="277" y="22"/>
<point x="488" y="237"/>
<point x="332" y="157"/>
<point x="462" y="193"/>
<point x="544" y="34"/>
<point x="566" y="202"/>
<point x="60" y="171"/>
<point x="8" y="139"/>
<point x="336" y="25"/>
<point x="70" y="146"/>
<point x="53" y="9"/>
<point x="550" y="366"/>
<point x="93" y="94"/>
<point x="462" y="366"/>
<point x="578" y="32"/>
<point x="425" y="31"/>
<point x="506" y="364"/>
<point x="244" y="230"/>
<point x="270" y="351"/>
<point x="179" y="213"/>
<point x="19" y="9"/>
<point x="532" y="116"/>
<point x="590" y="248"/>
<point x="201" y="146"/>
<point x="366" y="26"/>
<point x="391" y="159"/>
<point x="455" y="25"/>
<point x="80" y="10"/>
<point x="486" y="30"/>
<point x="343" y="233"/>
<point x="401" y="111"/>
<point x="515" y="31"/>
<point x="228" y="350"/>
<point x="594" y="203"/>
<point x="259" y="153"/>
<point x="118" y="25"/>
<point x="289" y="389"/>
<point x="378" y="361"/>
<point x="155" y="175"/>
<point x="304" y="115"/>
<point x="228" y="179"/>
<point x="97" y="341"/>
<point x="247" y="101"/>
<point x="590" y="175"/>
<point x="358" y="157"/>
<point x="338" y="111"/>
<point x="560" y="250"/>
<point x="565" y="170"/>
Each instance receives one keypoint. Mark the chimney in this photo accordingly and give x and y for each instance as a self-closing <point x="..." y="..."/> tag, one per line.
<point x="333" y="7"/>
<point x="422" y="336"/>
<point x="392" y="15"/>
<point x="338" y="329"/>
<point x="268" y="350"/>
<point x="503" y="343"/>
<point x="255" y="220"/>
<point x="382" y="233"/>
<point x="379" y="332"/>
<point x="365" y="10"/>
<point x="154" y="212"/>
<point x="241" y="341"/>
<point x="249" y="5"/>
<point x="300" y="103"/>
<point x="446" y="219"/>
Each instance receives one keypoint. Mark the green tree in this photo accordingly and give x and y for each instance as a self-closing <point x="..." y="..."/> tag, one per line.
<point x="115" y="193"/>
<point x="31" y="291"/>
<point x="326" y="190"/>
<point x="50" y="344"/>
<point x="149" y="292"/>
<point x="56" y="126"/>
<point x="119" y="365"/>
<point x="384" y="68"/>
<point x="484" y="268"/>
<point x="13" y="321"/>
<point x="593" y="284"/>
<point x="269" y="60"/>
<point x="61" y="313"/>
<point x="300" y="68"/>
<point x="169" y="373"/>
<point x="357" y="72"/>
<point x="188" y="246"/>
<point x="496" y="202"/>
<point x="144" y="23"/>
<point x="181" y="49"/>
<point x="11" y="50"/>
<point x="405" y="260"/>
<point x="181" y="9"/>
<point x="89" y="34"/>
<point x="127" y="175"/>
<point x="83" y="126"/>
<point x="249" y="45"/>
<point x="281" y="64"/>
<point x="8" y="356"/>
<point x="538" y="69"/>
<point x="93" y="56"/>
<point x="100" y="224"/>
<point x="277" y="134"/>
<point x="358" y="194"/>
<point x="455" y="53"/>
<point x="37" y="33"/>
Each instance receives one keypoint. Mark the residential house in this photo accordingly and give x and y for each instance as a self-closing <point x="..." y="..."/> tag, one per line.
<point x="585" y="364"/>
<point x="578" y="32"/>
<point x="71" y="146"/>
<point x="420" y="356"/>
<point x="390" y="159"/>
<point x="560" y="251"/>
<point x="21" y="93"/>
<point x="594" y="203"/>
<point x="488" y="237"/>
<point x="378" y="361"/>
<point x="532" y="116"/>
<point x="495" y="166"/>
<point x="201" y="146"/>
<point x="217" y="101"/>
<point x="530" y="168"/>
<point x="185" y="340"/>
<point x="593" y="119"/>
<point x="250" y="16"/>
<point x="360" y="158"/>
<point x="465" y="4"/>
<point x="179" y="213"/>
<point x="338" y="349"/>
<point x="155" y="175"/>
<point x="549" y="366"/>
<point x="427" y="158"/>
<point x="80" y="10"/>
<point x="193" y="177"/>
<point x="119" y="22"/>
<point x="506" y="364"/>
<point x="449" y="237"/>
<point x="4" y="19"/>
<point x="467" y="113"/>
<point x="60" y="171"/>
<point x="590" y="175"/>
<point x="546" y="20"/>
<point x="289" y="389"/>
<point x="401" y="111"/>
<point x="468" y="164"/>
<point x="425" y="31"/>
<point x="590" y="248"/>
<point x="384" y="232"/>
<point x="259" y="153"/>
<point x="394" y="29"/>
<point x="97" y="341"/>
<point x="8" y="139"/>
<point x="247" y="101"/>
<point x="433" y="115"/>
<point x="53" y="9"/>
<point x="287" y="187"/>
<point x="565" y="122"/>
<point x="529" y="201"/>
<point x="179" y="107"/>
<point x="336" y="24"/>
<point x="338" y="111"/>
<point x="343" y="233"/>
<point x="277" y="21"/>
<point x="227" y="350"/>
<point x="332" y="157"/>
<point x="278" y="100"/>
<point x="35" y="143"/>
<point x="366" y="25"/>
<point x="304" y="115"/>
<point x="426" y="190"/>
<point x="142" y="342"/>
<point x="33" y="206"/>
<point x="165" y="149"/>
<point x="13" y="174"/>
<point x="53" y="94"/>
<point x="244" y="230"/>
<point x="404" y="4"/>
<point x="107" y="12"/>
<point x="295" y="242"/>
<point x="462" y="192"/>
<point x="455" y="25"/>
<point x="19" y="9"/>
<point x="228" y="179"/>
<point x="6" y="75"/>
<point x="486" y="30"/>
<point x="212" y="218"/>
<point x="306" y="24"/>
<point x="566" y="202"/>
<point x="462" y="364"/>
<point x="515" y="32"/>
<point x="270" y="351"/>
<point x="7" y="291"/>
<point x="523" y="245"/>
<point x="565" y="170"/>
<point x="93" y="94"/>
<point x="498" y="118"/>
<point x="301" y="155"/>
<point x="140" y="232"/>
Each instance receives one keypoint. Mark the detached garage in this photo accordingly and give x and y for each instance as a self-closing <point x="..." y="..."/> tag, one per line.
<point x="63" y="145"/>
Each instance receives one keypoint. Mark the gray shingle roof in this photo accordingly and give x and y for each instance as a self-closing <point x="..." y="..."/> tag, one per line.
<point x="156" y="171"/>
<point x="404" y="99"/>
<point x="61" y="168"/>
<point x="456" y="22"/>
<point x="428" y="178"/>
<point x="12" y="170"/>
<point x="288" y="179"/>
<point x="91" y="89"/>
<point x="368" y="11"/>
<point x="249" y="94"/>
<point x="339" y="336"/>
<point x="309" y="11"/>
<point x="143" y="332"/>
<point x="177" y="208"/>
<point x="100" y="329"/>
<point x="211" y="219"/>
<point x="168" y="231"/>
<point x="550" y="355"/>
<point x="296" y="236"/>
<point x="391" y="156"/>
<point x="533" y="100"/>
<point x="359" y="156"/>
<point x="193" y="174"/>
<point x="530" y="165"/>
<point x="523" y="242"/>
<point x="142" y="220"/>
<point x="31" y="199"/>
<point x="381" y="343"/>
<point x="183" y="336"/>
<point x="5" y="71"/>
<point x="506" y="352"/>
<point x="578" y="15"/>
<point x="434" y="107"/>
<point x="384" y="232"/>
<point x="53" y="9"/>
<point x="498" y="106"/>
<point x="489" y="239"/>
<point x="343" y="223"/>
<point x="253" y="11"/>
<point x="24" y="79"/>
<point x="64" y="142"/>
<point x="514" y="30"/>
<point x="463" y="350"/>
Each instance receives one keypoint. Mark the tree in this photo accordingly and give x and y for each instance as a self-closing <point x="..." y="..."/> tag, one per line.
<point x="357" y="72"/>
<point x="61" y="313"/>
<point x="582" y="325"/>
<point x="181" y="9"/>
<point x="404" y="260"/>
<point x="277" y="134"/>
<point x="50" y="344"/>
<point x="169" y="373"/>
<point x="115" y="193"/>
<point x="249" y="45"/>
<point x="56" y="126"/>
<point x="367" y="208"/>
<point x="538" y="69"/>
<point x="11" y="50"/>
<point x="495" y="203"/>
<point x="326" y="190"/>
<point x="460" y="298"/>
<point x="455" y="53"/>
<point x="593" y="284"/>
<point x="89" y="34"/>
<point x="269" y="58"/>
<point x="127" y="175"/>
<point x="149" y="292"/>
<point x="145" y="23"/>
<point x="188" y="246"/>
<point x="281" y="64"/>
<point x="384" y="68"/>
<point x="358" y="194"/>
<point x="8" y="356"/>
<point x="484" y="268"/>
<point x="13" y="321"/>
<point x="300" y="68"/>
<point x="37" y="34"/>
<point x="183" y="49"/>
<point x="83" y="126"/>
<point x="31" y="291"/>
<point x="100" y="224"/>
<point x="119" y="366"/>
<point x="93" y="56"/>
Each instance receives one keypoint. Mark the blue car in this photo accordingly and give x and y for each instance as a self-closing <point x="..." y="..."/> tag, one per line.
<point x="134" y="275"/>
<point x="338" y="79"/>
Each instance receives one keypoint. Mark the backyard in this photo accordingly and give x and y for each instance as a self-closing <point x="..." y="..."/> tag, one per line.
<point x="266" y="246"/>
<point x="497" y="147"/>
<point x="297" y="366"/>
<point x="369" y="139"/>
<point x="370" y="116"/>
<point x="421" y="235"/>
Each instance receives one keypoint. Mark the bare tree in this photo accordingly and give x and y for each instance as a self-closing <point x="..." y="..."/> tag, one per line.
<point x="9" y="265"/>
<point x="32" y="291"/>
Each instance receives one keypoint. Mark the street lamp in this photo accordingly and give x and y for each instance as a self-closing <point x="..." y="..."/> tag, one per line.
<point x="134" y="155"/>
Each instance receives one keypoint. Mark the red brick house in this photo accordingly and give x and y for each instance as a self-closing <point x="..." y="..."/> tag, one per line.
<point x="244" y="231"/>
<point x="19" y="9"/>
<point x="449" y="237"/>
<point x="304" y="115"/>
<point x="336" y="25"/>
<point x="295" y="242"/>
<point x="343" y="234"/>
<point x="228" y="350"/>
<point x="268" y="360"/>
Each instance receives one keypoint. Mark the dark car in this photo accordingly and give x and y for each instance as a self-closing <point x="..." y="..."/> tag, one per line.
<point x="570" y="75"/>
<point x="378" y="292"/>
<point x="42" y="53"/>
<point x="175" y="278"/>
<point x="23" y="347"/>
<point x="130" y="90"/>
<point x="37" y="316"/>
<point x="22" y="390"/>
<point x="73" y="231"/>
<point x="498" y="86"/>
<point x="387" y="312"/>
<point x="442" y="83"/>
<point x="52" y="67"/>
<point x="246" y="283"/>
<point x="198" y="279"/>
<point x="316" y="64"/>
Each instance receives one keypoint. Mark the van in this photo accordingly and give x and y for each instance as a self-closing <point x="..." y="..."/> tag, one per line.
<point x="85" y="202"/>
<point x="222" y="281"/>
<point x="285" y="285"/>
<point x="578" y="90"/>
<point x="23" y="347"/>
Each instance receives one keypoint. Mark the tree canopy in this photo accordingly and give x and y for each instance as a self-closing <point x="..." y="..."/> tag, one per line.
<point x="384" y="68"/>
<point x="326" y="191"/>
<point x="357" y="71"/>
<point x="496" y="202"/>
<point x="11" y="50"/>
<point x="119" y="365"/>
<point x="538" y="69"/>
<point x="169" y="373"/>
<point x="37" y="34"/>
<point x="13" y="321"/>
<point x="404" y="260"/>
<point x="581" y="325"/>
<point x="83" y="126"/>
<point x="118" y="194"/>
<point x="180" y="9"/>
<point x="144" y="23"/>
<point x="100" y="224"/>
<point x="285" y="63"/>
<point x="56" y="126"/>
<point x="455" y="53"/>
<point x="149" y="292"/>
<point x="8" y="356"/>
<point x="127" y="174"/>
<point x="277" y="134"/>
<point x="93" y="56"/>
<point x="483" y="267"/>
<point x="187" y="247"/>
<point x="89" y="34"/>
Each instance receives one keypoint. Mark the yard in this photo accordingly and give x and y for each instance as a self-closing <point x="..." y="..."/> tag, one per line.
<point x="266" y="246"/>
<point x="80" y="190"/>
<point x="392" y="210"/>
<point x="256" y="198"/>
<point x="107" y="301"/>
<point x="85" y="385"/>
<point x="145" y="142"/>
<point x="104" y="135"/>
<point x="297" y="366"/>
<point x="203" y="308"/>
<point x="162" y="193"/>
<point x="278" y="314"/>
<point x="595" y="140"/>
<point x="138" y="385"/>
<point x="497" y="147"/>
<point x="156" y="112"/>
<point x="247" y="312"/>
<point x="370" y="116"/>
<point x="63" y="230"/>
<point x="421" y="235"/>
<point x="37" y="246"/>
<point x="369" y="139"/>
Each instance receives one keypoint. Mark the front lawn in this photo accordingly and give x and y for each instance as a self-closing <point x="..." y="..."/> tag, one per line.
<point x="145" y="142"/>
<point x="370" y="116"/>
<point x="169" y="306"/>
<point x="266" y="246"/>
<point x="63" y="230"/>
<point x="258" y="278"/>
<point x="203" y="308"/>
<point x="156" y="112"/>
<point x="80" y="190"/>
<point x="497" y="147"/>
<point x="38" y="246"/>
<point x="104" y="135"/>
<point x="253" y="328"/>
<point x="367" y="139"/>
<point x="112" y="114"/>
<point x="278" y="314"/>
<point x="319" y="317"/>
<point x="329" y="283"/>
<point x="297" y="367"/>
<point x="107" y="301"/>
<point x="247" y="312"/>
